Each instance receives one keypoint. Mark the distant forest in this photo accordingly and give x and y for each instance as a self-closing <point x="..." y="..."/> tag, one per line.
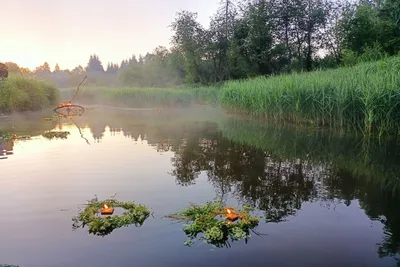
<point x="245" y="39"/>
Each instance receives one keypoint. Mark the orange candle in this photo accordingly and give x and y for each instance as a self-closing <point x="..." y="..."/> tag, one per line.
<point x="231" y="216"/>
<point x="107" y="210"/>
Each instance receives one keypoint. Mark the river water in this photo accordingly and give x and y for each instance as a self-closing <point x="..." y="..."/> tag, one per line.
<point x="326" y="199"/>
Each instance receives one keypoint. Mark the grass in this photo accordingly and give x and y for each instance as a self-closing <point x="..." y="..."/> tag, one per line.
<point x="210" y="220"/>
<point x="131" y="97"/>
<point x="364" y="97"/>
<point x="19" y="94"/>
<point x="143" y="97"/>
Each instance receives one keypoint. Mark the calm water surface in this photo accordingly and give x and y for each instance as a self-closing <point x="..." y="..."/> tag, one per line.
<point x="328" y="200"/>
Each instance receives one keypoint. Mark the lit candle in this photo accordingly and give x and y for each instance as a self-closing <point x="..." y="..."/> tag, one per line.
<point x="231" y="216"/>
<point x="106" y="210"/>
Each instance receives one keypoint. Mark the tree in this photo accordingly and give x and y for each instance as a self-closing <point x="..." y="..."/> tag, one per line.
<point x="140" y="61"/>
<point x="94" y="64"/>
<point x="227" y="11"/>
<point x="188" y="39"/>
<point x="57" y="68"/>
<point x="133" y="60"/>
<point x="258" y="43"/>
<point x="13" y="68"/>
<point x="3" y="71"/>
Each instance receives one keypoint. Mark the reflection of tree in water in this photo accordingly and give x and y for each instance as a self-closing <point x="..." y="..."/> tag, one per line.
<point x="276" y="183"/>
<point x="384" y="206"/>
<point x="98" y="129"/>
<point x="279" y="186"/>
<point x="191" y="154"/>
<point x="115" y="131"/>
<point x="6" y="148"/>
<point x="379" y="204"/>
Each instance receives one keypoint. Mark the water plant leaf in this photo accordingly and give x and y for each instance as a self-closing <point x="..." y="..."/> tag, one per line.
<point x="56" y="135"/>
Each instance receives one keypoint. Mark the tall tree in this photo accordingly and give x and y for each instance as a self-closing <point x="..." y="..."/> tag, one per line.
<point x="57" y="68"/>
<point x="188" y="39"/>
<point x="94" y="64"/>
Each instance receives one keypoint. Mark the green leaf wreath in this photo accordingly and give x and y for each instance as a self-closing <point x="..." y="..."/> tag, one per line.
<point x="211" y="221"/>
<point x="135" y="214"/>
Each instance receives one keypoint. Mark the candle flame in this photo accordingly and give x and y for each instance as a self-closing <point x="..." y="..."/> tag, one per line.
<point x="105" y="206"/>
<point x="229" y="211"/>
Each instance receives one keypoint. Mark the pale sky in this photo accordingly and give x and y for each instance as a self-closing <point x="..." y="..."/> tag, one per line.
<point x="67" y="32"/>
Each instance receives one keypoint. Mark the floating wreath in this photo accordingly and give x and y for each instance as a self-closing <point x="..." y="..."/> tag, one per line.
<point x="135" y="214"/>
<point x="211" y="220"/>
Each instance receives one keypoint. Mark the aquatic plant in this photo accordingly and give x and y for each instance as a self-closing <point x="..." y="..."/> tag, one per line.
<point x="212" y="222"/>
<point x="56" y="135"/>
<point x="6" y="136"/>
<point x="135" y="214"/>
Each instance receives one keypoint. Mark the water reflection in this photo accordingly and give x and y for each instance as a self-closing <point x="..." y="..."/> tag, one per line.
<point x="6" y="148"/>
<point x="292" y="171"/>
<point x="275" y="170"/>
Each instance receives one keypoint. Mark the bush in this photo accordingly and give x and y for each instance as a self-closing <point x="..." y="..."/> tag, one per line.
<point x="26" y="94"/>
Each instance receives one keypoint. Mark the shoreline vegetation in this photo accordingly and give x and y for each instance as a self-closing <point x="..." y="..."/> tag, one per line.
<point x="364" y="97"/>
<point x="19" y="94"/>
<point x="256" y="58"/>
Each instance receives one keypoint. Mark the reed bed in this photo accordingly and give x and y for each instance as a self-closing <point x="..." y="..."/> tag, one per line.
<point x="365" y="97"/>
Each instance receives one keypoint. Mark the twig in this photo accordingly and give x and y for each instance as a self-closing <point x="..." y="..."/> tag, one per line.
<point x="257" y="233"/>
<point x="80" y="131"/>
<point x="78" y="89"/>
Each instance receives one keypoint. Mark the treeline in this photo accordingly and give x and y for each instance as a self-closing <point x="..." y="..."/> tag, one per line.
<point x="248" y="38"/>
<point x="265" y="37"/>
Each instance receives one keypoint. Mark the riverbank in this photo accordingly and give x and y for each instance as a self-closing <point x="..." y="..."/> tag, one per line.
<point x="129" y="97"/>
<point x="364" y="97"/>
<point x="19" y="94"/>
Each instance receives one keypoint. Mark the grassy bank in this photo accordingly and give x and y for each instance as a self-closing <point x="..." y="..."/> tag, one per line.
<point x="26" y="94"/>
<point x="366" y="97"/>
<point x="130" y="97"/>
<point x="143" y="97"/>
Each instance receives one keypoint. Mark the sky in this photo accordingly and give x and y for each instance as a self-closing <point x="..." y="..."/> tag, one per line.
<point x="67" y="32"/>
